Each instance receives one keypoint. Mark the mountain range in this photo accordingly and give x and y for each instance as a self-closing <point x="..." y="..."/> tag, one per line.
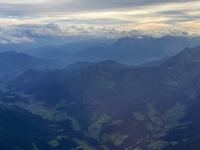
<point x="13" y="64"/>
<point x="105" y="105"/>
<point x="128" y="50"/>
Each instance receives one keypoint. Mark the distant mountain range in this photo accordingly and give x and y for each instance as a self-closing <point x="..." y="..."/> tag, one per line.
<point x="19" y="61"/>
<point x="128" y="50"/>
<point x="43" y="41"/>
<point x="106" y="105"/>
<point x="12" y="64"/>
<point x="62" y="51"/>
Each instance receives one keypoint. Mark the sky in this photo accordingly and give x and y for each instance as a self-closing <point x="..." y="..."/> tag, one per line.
<point x="111" y="18"/>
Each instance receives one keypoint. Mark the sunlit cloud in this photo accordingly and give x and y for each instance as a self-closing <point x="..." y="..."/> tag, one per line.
<point x="122" y="15"/>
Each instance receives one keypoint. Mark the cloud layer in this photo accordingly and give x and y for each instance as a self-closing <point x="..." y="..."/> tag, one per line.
<point x="30" y="33"/>
<point x="123" y="15"/>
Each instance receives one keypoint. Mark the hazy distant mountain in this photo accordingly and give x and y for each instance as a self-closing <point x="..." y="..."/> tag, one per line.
<point x="77" y="46"/>
<point x="34" y="41"/>
<point x="154" y="63"/>
<point x="64" y="51"/>
<point x="20" y="61"/>
<point x="12" y="64"/>
<point x="136" y="50"/>
<point x="47" y="52"/>
<point x="175" y="44"/>
<point x="128" y="50"/>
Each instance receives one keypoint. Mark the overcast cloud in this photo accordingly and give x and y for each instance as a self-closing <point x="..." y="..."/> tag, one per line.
<point x="31" y="19"/>
<point x="30" y="33"/>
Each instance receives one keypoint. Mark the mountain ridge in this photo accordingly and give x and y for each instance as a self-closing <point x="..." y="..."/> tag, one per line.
<point x="128" y="50"/>
<point x="118" y="107"/>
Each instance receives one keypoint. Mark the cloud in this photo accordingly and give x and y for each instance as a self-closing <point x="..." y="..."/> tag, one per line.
<point x="123" y="15"/>
<point x="12" y="35"/>
<point x="174" y="33"/>
<point x="25" y="33"/>
<point x="30" y="33"/>
<point x="7" y="39"/>
<point x="133" y="33"/>
<point x="159" y="33"/>
<point x="52" y="6"/>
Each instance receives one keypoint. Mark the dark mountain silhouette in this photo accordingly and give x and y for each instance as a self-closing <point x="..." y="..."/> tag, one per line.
<point x="33" y="77"/>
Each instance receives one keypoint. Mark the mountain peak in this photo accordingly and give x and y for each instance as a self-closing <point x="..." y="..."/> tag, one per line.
<point x="186" y="62"/>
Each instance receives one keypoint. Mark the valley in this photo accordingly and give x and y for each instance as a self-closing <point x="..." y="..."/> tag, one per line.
<point x="105" y="105"/>
<point x="99" y="75"/>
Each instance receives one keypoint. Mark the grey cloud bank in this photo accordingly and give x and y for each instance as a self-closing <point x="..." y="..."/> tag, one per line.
<point x="13" y="7"/>
<point x="30" y="33"/>
<point x="122" y="15"/>
<point x="27" y="21"/>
